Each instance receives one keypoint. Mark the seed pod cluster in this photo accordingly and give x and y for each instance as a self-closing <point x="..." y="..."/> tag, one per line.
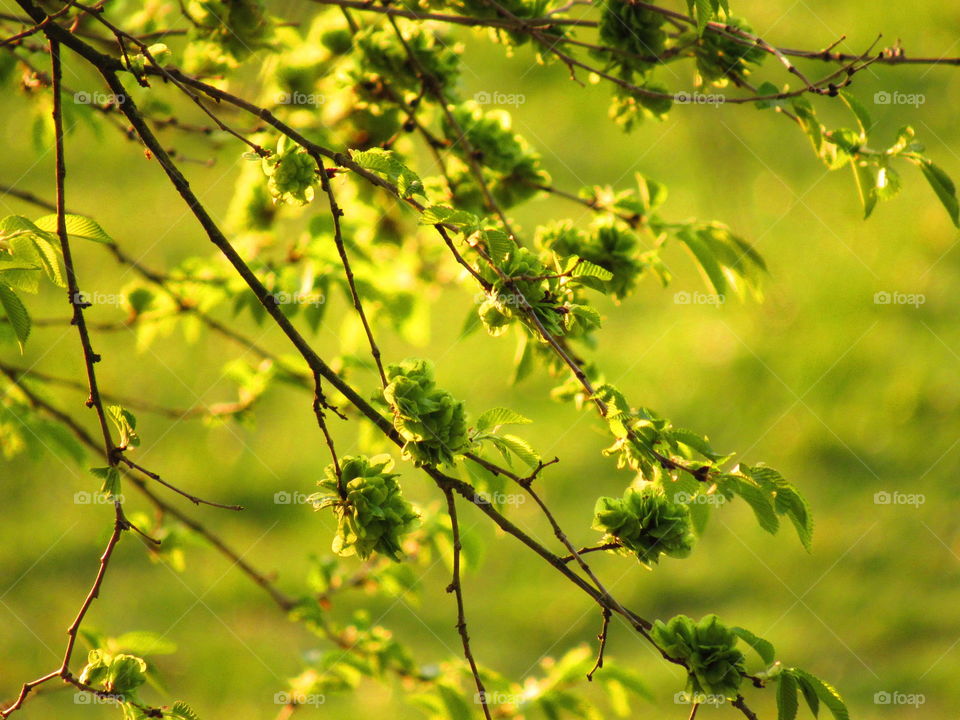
<point x="372" y="514"/>
<point x="431" y="421"/>
<point x="707" y="647"/>
<point x="645" y="522"/>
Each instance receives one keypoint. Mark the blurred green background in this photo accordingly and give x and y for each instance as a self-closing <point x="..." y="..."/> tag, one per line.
<point x="845" y="396"/>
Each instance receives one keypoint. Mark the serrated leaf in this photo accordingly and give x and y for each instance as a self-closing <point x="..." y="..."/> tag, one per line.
<point x="78" y="226"/>
<point x="499" y="416"/>
<point x="808" y="690"/>
<point x="866" y="186"/>
<point x="760" y="502"/>
<point x="585" y="268"/>
<point x="16" y="313"/>
<point x="110" y="480"/>
<point x="142" y="642"/>
<point x="787" y="701"/>
<point x="763" y="647"/>
<point x="860" y="111"/>
<point x="826" y="693"/>
<point x="498" y="244"/>
<point x="705" y="259"/>
<point x="521" y="448"/>
<point x="944" y="188"/>
<point x="386" y="163"/>
<point x="435" y="214"/>
<point x="182" y="711"/>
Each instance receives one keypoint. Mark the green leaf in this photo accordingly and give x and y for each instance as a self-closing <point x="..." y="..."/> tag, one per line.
<point x="435" y="214"/>
<point x="786" y="500"/>
<point x="521" y="448"/>
<point x="385" y="163"/>
<point x="866" y="186"/>
<point x="705" y="259"/>
<point x="944" y="188"/>
<point x="182" y="711"/>
<point x="126" y="673"/>
<point x="499" y="416"/>
<point x="126" y="425"/>
<point x="110" y="478"/>
<point x="858" y="109"/>
<point x="763" y="647"/>
<point x="585" y="268"/>
<point x="78" y="226"/>
<point x="16" y="313"/>
<point x="760" y="502"/>
<point x="826" y="693"/>
<point x="142" y="642"/>
<point x="808" y="690"/>
<point x="787" y="702"/>
<point x="498" y="244"/>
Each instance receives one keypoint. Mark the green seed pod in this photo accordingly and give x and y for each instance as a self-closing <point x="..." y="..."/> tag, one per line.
<point x="429" y="419"/>
<point x="373" y="516"/>
<point x="708" y="648"/>
<point x="645" y="522"/>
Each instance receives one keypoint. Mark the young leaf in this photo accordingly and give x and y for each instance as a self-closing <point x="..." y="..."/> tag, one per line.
<point x="496" y="417"/>
<point x="763" y="647"/>
<point x="78" y="226"/>
<point x="787" y="702"/>
<point x="16" y="313"/>
<point x="944" y="188"/>
<point x="826" y="693"/>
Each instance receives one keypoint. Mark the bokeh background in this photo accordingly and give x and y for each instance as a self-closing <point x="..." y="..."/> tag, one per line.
<point x="845" y="396"/>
